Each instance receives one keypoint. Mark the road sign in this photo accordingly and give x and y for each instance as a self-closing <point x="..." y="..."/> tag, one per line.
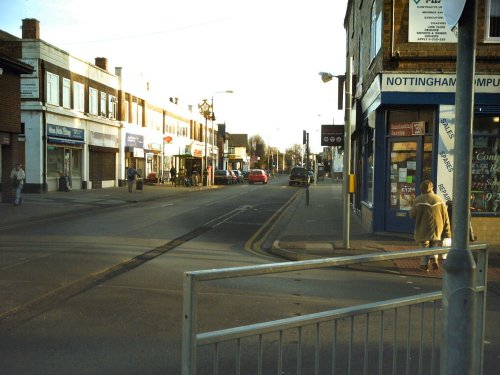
<point x="452" y="10"/>
<point x="332" y="135"/>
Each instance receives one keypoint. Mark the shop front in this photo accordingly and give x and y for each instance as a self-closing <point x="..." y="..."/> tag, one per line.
<point x="408" y="136"/>
<point x="134" y="153"/>
<point x="103" y="151"/>
<point x="64" y="157"/>
<point x="153" y="162"/>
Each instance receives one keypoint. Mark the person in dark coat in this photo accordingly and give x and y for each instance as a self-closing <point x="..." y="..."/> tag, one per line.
<point x="131" y="175"/>
<point x="173" y="175"/>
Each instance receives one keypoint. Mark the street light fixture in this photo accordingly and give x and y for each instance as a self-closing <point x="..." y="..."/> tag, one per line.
<point x="326" y="77"/>
<point x="205" y="111"/>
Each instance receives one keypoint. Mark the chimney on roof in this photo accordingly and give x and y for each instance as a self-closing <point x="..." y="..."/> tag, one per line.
<point x="102" y="63"/>
<point x="31" y="28"/>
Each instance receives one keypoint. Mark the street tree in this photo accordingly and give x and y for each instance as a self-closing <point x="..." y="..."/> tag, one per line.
<point x="293" y="155"/>
<point x="257" y="148"/>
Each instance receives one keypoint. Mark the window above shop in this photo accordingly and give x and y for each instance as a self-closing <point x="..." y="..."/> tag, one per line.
<point x="52" y="88"/>
<point x="492" y="22"/>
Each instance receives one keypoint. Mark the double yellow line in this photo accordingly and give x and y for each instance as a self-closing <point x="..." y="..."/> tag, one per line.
<point x="254" y="243"/>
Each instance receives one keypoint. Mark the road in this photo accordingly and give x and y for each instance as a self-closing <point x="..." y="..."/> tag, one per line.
<point x="101" y="292"/>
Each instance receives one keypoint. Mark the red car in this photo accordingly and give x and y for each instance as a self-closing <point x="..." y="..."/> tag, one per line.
<point x="257" y="175"/>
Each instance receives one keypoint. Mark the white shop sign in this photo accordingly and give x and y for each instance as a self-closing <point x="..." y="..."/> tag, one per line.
<point x="427" y="23"/>
<point x="445" y="83"/>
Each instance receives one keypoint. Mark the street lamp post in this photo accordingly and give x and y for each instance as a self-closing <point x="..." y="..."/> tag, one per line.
<point x="325" y="77"/>
<point x="205" y="110"/>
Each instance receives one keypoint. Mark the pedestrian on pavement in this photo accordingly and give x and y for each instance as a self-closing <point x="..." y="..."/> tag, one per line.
<point x="194" y="176"/>
<point x="131" y="175"/>
<point x="17" y="176"/>
<point x="431" y="221"/>
<point x="173" y="175"/>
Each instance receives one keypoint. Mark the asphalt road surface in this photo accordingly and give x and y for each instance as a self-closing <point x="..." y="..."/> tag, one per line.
<point x="101" y="293"/>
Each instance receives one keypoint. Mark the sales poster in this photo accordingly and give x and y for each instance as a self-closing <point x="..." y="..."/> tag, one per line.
<point x="445" y="152"/>
<point x="406" y="196"/>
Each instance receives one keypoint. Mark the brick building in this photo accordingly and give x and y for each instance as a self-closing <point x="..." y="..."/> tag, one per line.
<point x="11" y="68"/>
<point x="404" y="61"/>
<point x="84" y="125"/>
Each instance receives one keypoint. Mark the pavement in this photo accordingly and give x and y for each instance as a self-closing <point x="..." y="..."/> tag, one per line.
<point x="301" y="232"/>
<point x="315" y="230"/>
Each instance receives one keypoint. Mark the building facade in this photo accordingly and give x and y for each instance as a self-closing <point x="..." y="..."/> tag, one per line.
<point x="11" y="130"/>
<point x="84" y="126"/>
<point x="404" y="64"/>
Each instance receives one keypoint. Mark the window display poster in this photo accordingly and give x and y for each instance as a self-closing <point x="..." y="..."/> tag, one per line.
<point x="406" y="196"/>
<point x="445" y="154"/>
<point x="403" y="174"/>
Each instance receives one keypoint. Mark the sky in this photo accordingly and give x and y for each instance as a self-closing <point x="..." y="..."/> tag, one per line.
<point x="268" y="52"/>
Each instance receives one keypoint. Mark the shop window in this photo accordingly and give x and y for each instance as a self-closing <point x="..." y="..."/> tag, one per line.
<point x="93" y="109"/>
<point x="492" y="24"/>
<point x="66" y="97"/>
<point x="112" y="107"/>
<point x="408" y="122"/>
<point x="485" y="194"/>
<point x="76" y="162"/>
<point x="52" y="88"/>
<point x="79" y="96"/>
<point x="103" y="104"/>
<point x="375" y="31"/>
<point x="55" y="161"/>
<point x="133" y="118"/>
<point x="368" y="151"/>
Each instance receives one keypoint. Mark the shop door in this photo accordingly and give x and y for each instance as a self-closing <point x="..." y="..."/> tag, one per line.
<point x="404" y="174"/>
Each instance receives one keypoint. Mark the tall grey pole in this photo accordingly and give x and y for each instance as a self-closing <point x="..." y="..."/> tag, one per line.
<point x="347" y="154"/>
<point x="459" y="352"/>
<point x="307" y="169"/>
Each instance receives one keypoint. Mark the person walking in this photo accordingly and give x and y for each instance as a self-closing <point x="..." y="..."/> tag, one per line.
<point x="173" y="175"/>
<point x="431" y="221"/>
<point x="17" y="176"/>
<point x="131" y="175"/>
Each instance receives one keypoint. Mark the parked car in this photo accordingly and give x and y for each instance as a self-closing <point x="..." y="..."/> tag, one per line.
<point x="298" y="176"/>
<point x="234" y="178"/>
<point x="239" y="175"/>
<point x="257" y="175"/>
<point x="245" y="175"/>
<point x="223" y="177"/>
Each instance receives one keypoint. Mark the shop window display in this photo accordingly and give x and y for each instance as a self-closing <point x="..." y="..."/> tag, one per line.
<point x="485" y="169"/>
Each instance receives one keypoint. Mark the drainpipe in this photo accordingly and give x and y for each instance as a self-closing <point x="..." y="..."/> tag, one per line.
<point x="44" y="126"/>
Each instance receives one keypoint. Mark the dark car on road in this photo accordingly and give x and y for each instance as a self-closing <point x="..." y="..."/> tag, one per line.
<point x="298" y="176"/>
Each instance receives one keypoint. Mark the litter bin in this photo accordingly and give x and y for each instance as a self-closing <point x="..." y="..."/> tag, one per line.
<point x="205" y="178"/>
<point x="63" y="183"/>
<point x="139" y="184"/>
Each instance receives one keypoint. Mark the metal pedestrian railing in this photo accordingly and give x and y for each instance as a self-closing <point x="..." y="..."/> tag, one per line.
<point x="397" y="336"/>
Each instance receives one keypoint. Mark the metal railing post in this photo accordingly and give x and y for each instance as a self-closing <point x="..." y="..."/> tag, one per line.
<point x="189" y="328"/>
